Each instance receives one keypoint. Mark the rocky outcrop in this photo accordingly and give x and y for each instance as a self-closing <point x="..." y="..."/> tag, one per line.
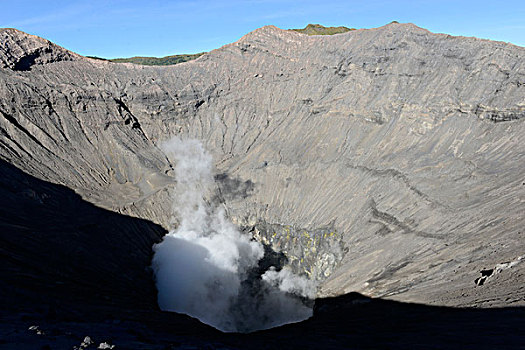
<point x="20" y="51"/>
<point x="407" y="144"/>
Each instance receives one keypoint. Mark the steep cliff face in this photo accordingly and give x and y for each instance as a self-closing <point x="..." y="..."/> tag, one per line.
<point x="20" y="51"/>
<point x="386" y="161"/>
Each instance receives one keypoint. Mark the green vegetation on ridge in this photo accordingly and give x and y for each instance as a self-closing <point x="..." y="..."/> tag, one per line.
<point x="317" y="29"/>
<point x="154" y="61"/>
<point x="159" y="61"/>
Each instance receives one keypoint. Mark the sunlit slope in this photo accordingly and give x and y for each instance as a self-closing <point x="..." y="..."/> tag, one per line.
<point x="401" y="147"/>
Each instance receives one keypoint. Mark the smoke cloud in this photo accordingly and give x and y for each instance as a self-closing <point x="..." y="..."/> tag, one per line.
<point x="208" y="269"/>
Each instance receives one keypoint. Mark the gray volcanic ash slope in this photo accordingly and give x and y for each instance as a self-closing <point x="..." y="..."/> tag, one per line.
<point x="386" y="161"/>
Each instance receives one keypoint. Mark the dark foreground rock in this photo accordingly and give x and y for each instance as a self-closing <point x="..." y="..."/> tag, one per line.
<point x="346" y="322"/>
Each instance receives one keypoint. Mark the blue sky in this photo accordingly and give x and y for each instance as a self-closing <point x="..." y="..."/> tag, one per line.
<point x="123" y="28"/>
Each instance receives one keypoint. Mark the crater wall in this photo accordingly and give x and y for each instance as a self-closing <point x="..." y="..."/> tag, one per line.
<point x="406" y="144"/>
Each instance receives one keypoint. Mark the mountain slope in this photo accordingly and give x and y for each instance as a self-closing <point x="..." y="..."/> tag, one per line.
<point x="386" y="161"/>
<point x="19" y="51"/>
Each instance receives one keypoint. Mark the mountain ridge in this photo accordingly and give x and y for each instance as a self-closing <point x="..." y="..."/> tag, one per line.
<point x="19" y="50"/>
<point x="267" y="30"/>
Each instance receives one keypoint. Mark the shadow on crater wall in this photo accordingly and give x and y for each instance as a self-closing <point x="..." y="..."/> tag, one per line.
<point x="75" y="269"/>
<point x="354" y="321"/>
<point x="56" y="246"/>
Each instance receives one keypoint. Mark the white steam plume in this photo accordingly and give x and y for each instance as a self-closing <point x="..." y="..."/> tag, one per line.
<point x="208" y="269"/>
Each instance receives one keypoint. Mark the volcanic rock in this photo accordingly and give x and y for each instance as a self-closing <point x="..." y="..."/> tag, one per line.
<point x="385" y="161"/>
